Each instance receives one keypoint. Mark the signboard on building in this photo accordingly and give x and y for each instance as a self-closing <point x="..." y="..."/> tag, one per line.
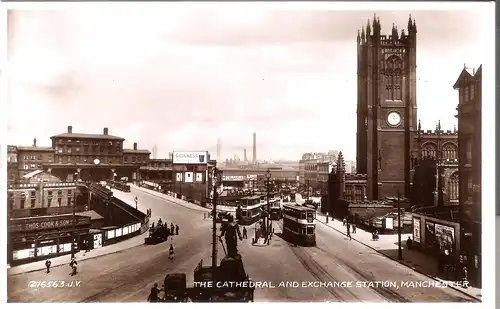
<point x="445" y="237"/>
<point x="190" y="157"/>
<point x="43" y="223"/>
<point x="252" y="177"/>
<point x="416" y="230"/>
<point x="233" y="178"/>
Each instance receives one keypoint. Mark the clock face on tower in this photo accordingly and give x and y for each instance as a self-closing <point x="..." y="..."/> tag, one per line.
<point x="393" y="119"/>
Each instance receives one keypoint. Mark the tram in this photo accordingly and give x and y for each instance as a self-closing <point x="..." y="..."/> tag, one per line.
<point x="250" y="210"/>
<point x="299" y="226"/>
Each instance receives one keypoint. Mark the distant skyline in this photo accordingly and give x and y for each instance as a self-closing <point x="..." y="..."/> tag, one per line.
<point x="182" y="78"/>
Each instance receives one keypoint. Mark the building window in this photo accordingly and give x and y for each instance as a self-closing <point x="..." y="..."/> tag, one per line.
<point x="472" y="92"/>
<point x="32" y="165"/>
<point x="26" y="166"/>
<point x="77" y="149"/>
<point x="59" y="201"/>
<point x="26" y="158"/>
<point x="40" y="157"/>
<point x="102" y="149"/>
<point x="429" y="150"/>
<point x="33" y="203"/>
<point x="453" y="187"/>
<point x="69" y="201"/>
<point x="23" y="201"/>
<point x="59" y="193"/>
<point x="125" y="159"/>
<point x="32" y="194"/>
<point x="393" y="78"/>
<point x="133" y="159"/>
<point x="358" y="193"/>
<point x="449" y="152"/>
<point x="49" y="193"/>
<point x="466" y="93"/>
<point x="49" y="201"/>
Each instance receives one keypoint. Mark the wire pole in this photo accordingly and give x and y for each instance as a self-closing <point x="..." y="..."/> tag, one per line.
<point x="214" y="215"/>
<point x="400" y="249"/>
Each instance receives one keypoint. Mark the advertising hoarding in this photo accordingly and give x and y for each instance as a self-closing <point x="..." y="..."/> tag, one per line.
<point x="233" y="178"/>
<point x="188" y="177"/>
<point x="430" y="236"/>
<point x="190" y="157"/>
<point x="416" y="230"/>
<point x="445" y="237"/>
<point x="199" y="177"/>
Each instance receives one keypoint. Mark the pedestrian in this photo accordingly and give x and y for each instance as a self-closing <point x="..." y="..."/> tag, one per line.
<point x="409" y="243"/>
<point x="244" y="232"/>
<point x="204" y="216"/>
<point x="176" y="229"/>
<point x="344" y="221"/>
<point x="172" y="228"/>
<point x="47" y="264"/>
<point x="153" y="296"/>
<point x="354" y="228"/>
<point x="349" y="231"/>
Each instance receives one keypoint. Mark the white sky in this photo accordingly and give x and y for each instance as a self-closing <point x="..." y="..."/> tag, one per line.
<point x="181" y="77"/>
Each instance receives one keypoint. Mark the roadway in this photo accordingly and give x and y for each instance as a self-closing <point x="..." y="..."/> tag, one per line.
<point x="127" y="276"/>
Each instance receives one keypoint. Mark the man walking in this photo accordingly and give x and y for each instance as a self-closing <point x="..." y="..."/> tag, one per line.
<point x="244" y="232"/>
<point x="349" y="231"/>
<point x="47" y="264"/>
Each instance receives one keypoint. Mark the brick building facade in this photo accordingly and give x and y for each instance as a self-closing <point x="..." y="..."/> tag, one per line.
<point x="387" y="108"/>
<point x="469" y="86"/>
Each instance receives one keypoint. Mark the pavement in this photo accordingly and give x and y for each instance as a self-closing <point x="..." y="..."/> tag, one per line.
<point x="82" y="255"/>
<point x="388" y="246"/>
<point x="284" y="272"/>
<point x="127" y="275"/>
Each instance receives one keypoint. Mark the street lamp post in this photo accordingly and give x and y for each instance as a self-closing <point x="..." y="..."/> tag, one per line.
<point x="73" y="249"/>
<point x="400" y="249"/>
<point x="268" y="207"/>
<point x="217" y="179"/>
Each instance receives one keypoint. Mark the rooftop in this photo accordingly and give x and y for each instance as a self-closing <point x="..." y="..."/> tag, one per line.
<point x="34" y="148"/>
<point x="88" y="136"/>
<point x="136" y="151"/>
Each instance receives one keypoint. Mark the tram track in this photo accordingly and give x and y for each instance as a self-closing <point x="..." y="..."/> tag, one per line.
<point x="385" y="292"/>
<point x="160" y="265"/>
<point x="320" y="273"/>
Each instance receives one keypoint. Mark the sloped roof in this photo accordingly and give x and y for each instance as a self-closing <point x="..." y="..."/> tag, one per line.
<point x="32" y="174"/>
<point x="88" y="136"/>
<point x="467" y="75"/>
<point x="90" y="213"/>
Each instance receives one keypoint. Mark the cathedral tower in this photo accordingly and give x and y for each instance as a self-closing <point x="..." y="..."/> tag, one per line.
<point x="387" y="108"/>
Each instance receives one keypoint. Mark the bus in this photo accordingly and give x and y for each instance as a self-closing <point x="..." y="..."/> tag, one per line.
<point x="299" y="226"/>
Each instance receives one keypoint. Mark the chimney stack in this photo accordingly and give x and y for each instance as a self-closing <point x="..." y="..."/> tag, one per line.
<point x="105" y="131"/>
<point x="70" y="129"/>
<point x="135" y="146"/>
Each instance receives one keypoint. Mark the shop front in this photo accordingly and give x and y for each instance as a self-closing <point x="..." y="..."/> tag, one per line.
<point x="36" y="238"/>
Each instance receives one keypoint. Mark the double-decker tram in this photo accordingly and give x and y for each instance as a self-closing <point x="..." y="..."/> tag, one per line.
<point x="275" y="212"/>
<point x="299" y="226"/>
<point x="249" y="210"/>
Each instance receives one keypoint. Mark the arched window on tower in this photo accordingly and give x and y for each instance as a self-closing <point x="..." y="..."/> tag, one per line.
<point x="429" y="150"/>
<point x="449" y="152"/>
<point x="393" y="78"/>
<point x="453" y="187"/>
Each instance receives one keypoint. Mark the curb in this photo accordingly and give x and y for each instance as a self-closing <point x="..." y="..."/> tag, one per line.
<point x="83" y="259"/>
<point x="174" y="202"/>
<point x="396" y="260"/>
